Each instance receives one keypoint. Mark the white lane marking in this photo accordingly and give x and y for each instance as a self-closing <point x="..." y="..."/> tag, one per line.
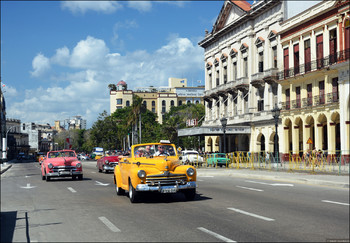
<point x="101" y="184"/>
<point x="199" y="180"/>
<point x="215" y="235"/>
<point x="109" y="224"/>
<point x="340" y="203"/>
<point x="206" y="176"/>
<point x="248" y="188"/>
<point x="251" y="214"/>
<point x="93" y="172"/>
<point x="273" y="184"/>
<point x="28" y="186"/>
<point x="71" y="189"/>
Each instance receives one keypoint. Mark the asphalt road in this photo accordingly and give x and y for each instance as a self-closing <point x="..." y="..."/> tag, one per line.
<point x="226" y="208"/>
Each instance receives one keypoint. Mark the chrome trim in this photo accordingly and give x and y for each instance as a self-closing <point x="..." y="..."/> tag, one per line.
<point x="145" y="187"/>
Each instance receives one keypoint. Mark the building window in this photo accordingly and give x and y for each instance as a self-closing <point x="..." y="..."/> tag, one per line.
<point x="225" y="74"/>
<point x="145" y="104"/>
<point x="286" y="62"/>
<point x="163" y="106"/>
<point x="24" y="126"/>
<point x="153" y="106"/>
<point x="321" y="89"/>
<point x="261" y="62"/>
<point x="307" y="54"/>
<point x="332" y="46"/>
<point x="245" y="66"/>
<point x="217" y="78"/>
<point x="127" y="103"/>
<point x="296" y="58"/>
<point x="180" y="102"/>
<point x="197" y="101"/>
<point x="172" y="103"/>
<point x="287" y="99"/>
<point x="119" y="101"/>
<point x="235" y="71"/>
<point x="319" y="51"/>
<point x="274" y="56"/>
<point x="210" y="80"/>
<point x="188" y="102"/>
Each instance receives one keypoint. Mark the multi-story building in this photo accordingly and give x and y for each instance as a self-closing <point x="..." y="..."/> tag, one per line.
<point x="158" y="100"/>
<point x="315" y="80"/>
<point x="17" y="142"/>
<point x="242" y="54"/>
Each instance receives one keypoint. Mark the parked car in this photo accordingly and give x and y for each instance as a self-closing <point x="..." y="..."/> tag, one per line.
<point x="154" y="167"/>
<point x="107" y="163"/>
<point x="61" y="163"/>
<point x="218" y="159"/>
<point x="192" y="157"/>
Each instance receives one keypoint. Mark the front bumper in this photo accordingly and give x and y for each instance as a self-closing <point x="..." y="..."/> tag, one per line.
<point x="108" y="168"/>
<point x="166" y="189"/>
<point x="64" y="173"/>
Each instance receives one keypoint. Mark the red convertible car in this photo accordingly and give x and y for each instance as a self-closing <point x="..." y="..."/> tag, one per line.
<point x="107" y="163"/>
<point x="61" y="163"/>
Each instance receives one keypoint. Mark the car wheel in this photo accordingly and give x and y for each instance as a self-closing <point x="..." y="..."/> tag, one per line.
<point x="74" y="177"/>
<point x="80" y="177"/>
<point x="43" y="177"/>
<point x="47" y="178"/>
<point x="190" y="194"/>
<point x="118" y="189"/>
<point x="133" y="194"/>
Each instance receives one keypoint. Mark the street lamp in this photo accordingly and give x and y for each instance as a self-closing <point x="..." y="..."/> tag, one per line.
<point x="224" y="123"/>
<point x="4" y="144"/>
<point x="276" y="114"/>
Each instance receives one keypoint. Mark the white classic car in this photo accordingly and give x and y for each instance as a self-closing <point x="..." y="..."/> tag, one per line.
<point x="192" y="157"/>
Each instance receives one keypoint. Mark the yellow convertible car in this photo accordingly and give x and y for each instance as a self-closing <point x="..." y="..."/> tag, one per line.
<point x="154" y="167"/>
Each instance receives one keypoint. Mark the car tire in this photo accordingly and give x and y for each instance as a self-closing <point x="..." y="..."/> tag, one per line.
<point x="133" y="194"/>
<point x="190" y="194"/>
<point x="74" y="177"/>
<point x="118" y="189"/>
<point x="47" y="178"/>
<point x="43" y="177"/>
<point x="80" y="177"/>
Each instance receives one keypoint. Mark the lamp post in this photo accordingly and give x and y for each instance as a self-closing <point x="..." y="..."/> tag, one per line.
<point x="4" y="149"/>
<point x="224" y="123"/>
<point x="276" y="114"/>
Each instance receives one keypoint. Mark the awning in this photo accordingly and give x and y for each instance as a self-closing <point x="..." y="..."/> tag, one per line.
<point x="216" y="131"/>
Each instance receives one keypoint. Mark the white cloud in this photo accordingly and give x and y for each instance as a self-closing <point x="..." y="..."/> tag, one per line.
<point x="89" y="53"/>
<point x="142" y="6"/>
<point x="75" y="7"/>
<point x="85" y="91"/>
<point x="40" y="64"/>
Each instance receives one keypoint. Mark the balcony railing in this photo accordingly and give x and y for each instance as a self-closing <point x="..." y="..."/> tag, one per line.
<point x="338" y="57"/>
<point x="296" y="104"/>
<point x="332" y="97"/>
<point x="306" y="102"/>
<point x="257" y="76"/>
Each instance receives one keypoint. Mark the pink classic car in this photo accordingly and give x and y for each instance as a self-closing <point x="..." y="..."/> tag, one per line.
<point x="107" y="163"/>
<point x="61" y="163"/>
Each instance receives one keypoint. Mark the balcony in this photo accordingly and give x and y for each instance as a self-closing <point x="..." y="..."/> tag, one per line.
<point x="307" y="102"/>
<point x="296" y="104"/>
<point x="257" y="79"/>
<point x="286" y="105"/>
<point x="332" y="97"/>
<point x="319" y="99"/>
<point x="315" y="65"/>
<point x="271" y="75"/>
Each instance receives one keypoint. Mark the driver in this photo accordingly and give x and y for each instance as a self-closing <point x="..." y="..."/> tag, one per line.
<point x="161" y="151"/>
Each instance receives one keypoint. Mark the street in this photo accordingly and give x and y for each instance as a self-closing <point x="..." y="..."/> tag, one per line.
<point x="225" y="209"/>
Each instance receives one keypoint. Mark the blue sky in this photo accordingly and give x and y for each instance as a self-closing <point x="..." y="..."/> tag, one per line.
<point x="58" y="57"/>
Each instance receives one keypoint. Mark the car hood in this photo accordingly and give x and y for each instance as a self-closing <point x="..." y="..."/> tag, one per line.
<point x="159" y="162"/>
<point x="65" y="161"/>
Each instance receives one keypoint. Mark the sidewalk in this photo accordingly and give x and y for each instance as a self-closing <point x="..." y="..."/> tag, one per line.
<point x="341" y="181"/>
<point x="5" y="166"/>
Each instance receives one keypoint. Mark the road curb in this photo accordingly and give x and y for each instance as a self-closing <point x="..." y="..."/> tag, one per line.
<point x="5" y="168"/>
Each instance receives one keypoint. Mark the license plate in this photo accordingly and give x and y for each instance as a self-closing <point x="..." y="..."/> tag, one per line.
<point x="64" y="173"/>
<point x="168" y="190"/>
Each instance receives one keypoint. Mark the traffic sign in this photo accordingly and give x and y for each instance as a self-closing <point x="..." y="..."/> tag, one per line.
<point x="309" y="141"/>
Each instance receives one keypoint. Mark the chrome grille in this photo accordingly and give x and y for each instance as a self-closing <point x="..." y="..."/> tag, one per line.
<point x="163" y="180"/>
<point x="113" y="163"/>
<point x="64" y="168"/>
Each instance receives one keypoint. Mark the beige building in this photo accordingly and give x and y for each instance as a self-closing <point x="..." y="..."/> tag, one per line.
<point x="158" y="100"/>
<point x="315" y="81"/>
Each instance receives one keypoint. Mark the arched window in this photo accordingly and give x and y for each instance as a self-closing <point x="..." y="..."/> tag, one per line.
<point x="145" y="104"/>
<point x="180" y="102"/>
<point x="127" y="103"/>
<point x="172" y="103"/>
<point x="163" y="106"/>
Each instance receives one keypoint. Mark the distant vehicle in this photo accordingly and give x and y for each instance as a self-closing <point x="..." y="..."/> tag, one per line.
<point x="107" y="163"/>
<point x="192" y="157"/>
<point x="97" y="153"/>
<point x="83" y="157"/>
<point x="61" y="163"/>
<point x="218" y="159"/>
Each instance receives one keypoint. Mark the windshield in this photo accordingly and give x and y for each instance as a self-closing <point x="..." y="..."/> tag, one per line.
<point x="221" y="155"/>
<point x="154" y="150"/>
<point x="56" y="154"/>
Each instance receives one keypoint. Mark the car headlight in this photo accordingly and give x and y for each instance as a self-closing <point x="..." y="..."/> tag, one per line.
<point x="141" y="174"/>
<point x="50" y="166"/>
<point x="190" y="171"/>
<point x="107" y="162"/>
<point x="78" y="165"/>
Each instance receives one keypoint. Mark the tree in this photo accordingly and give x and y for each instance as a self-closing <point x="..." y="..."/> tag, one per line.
<point x="112" y="87"/>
